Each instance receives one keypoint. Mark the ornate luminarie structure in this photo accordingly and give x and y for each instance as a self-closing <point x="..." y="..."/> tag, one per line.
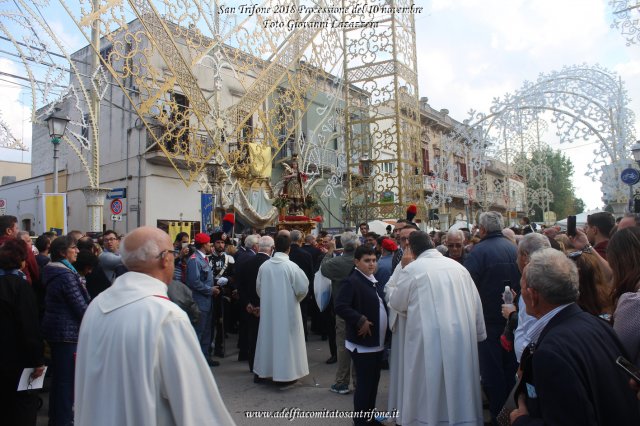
<point x="7" y="140"/>
<point x="626" y="19"/>
<point x="382" y="129"/>
<point x="584" y="103"/>
<point x="269" y="67"/>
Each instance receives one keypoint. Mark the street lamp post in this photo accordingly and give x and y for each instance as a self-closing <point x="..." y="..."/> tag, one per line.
<point x="57" y="126"/>
<point x="635" y="150"/>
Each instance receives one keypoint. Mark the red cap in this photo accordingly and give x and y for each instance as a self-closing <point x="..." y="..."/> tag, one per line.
<point x="412" y="209"/>
<point x="389" y="245"/>
<point x="202" y="238"/>
<point x="229" y="217"/>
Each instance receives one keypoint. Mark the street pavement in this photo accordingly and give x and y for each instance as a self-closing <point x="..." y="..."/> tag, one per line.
<point x="310" y="393"/>
<point x="240" y="394"/>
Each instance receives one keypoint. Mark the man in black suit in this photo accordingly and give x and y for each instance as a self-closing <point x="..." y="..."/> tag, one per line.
<point x="317" y="325"/>
<point x="569" y="375"/>
<point x="246" y="277"/>
<point x="245" y="252"/>
<point x="305" y="262"/>
<point x="310" y="247"/>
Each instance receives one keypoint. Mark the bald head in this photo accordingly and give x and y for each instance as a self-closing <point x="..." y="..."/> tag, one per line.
<point x="284" y="232"/>
<point x="509" y="234"/>
<point x="149" y="251"/>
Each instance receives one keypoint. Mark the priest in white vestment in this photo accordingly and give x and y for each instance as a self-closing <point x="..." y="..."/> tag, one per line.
<point x="139" y="361"/>
<point x="444" y="323"/>
<point x="397" y="323"/>
<point x="281" y="353"/>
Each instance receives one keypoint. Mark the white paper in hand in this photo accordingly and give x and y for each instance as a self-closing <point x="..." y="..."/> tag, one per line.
<point x="222" y="281"/>
<point x="26" y="383"/>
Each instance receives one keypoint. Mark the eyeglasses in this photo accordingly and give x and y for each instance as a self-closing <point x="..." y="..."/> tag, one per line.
<point x="454" y="245"/>
<point x="109" y="239"/>
<point x="172" y="251"/>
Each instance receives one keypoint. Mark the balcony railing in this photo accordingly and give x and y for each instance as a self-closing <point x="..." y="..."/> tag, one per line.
<point x="454" y="189"/>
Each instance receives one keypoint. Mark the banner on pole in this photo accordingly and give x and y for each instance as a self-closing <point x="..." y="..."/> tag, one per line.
<point x="206" y="207"/>
<point x="54" y="213"/>
<point x="175" y="228"/>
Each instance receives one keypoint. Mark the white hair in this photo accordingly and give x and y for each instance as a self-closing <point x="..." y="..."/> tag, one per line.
<point x="491" y="221"/>
<point x="295" y="236"/>
<point x="349" y="241"/>
<point x="251" y="240"/>
<point x="143" y="254"/>
<point x="265" y="243"/>
<point x="532" y="242"/>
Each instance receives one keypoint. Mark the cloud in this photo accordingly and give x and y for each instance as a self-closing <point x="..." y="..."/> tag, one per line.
<point x="471" y="51"/>
<point x="14" y="113"/>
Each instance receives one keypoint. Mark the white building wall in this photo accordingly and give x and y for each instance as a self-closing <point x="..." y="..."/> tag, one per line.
<point x="170" y="199"/>
<point x="24" y="201"/>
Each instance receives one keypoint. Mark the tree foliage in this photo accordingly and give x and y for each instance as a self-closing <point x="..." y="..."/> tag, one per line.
<point x="559" y="183"/>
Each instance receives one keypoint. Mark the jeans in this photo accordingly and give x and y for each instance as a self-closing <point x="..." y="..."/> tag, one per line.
<point x="497" y="369"/>
<point x="63" y="364"/>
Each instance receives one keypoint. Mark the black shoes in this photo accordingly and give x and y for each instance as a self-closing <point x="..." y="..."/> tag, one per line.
<point x="332" y="360"/>
<point x="213" y="363"/>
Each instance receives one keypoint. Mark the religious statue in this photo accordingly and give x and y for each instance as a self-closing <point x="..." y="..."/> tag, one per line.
<point x="293" y="187"/>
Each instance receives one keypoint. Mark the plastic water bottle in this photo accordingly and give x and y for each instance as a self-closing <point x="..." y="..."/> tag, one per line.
<point x="507" y="296"/>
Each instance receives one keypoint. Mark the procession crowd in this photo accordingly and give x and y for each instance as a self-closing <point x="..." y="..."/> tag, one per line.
<point x="129" y="326"/>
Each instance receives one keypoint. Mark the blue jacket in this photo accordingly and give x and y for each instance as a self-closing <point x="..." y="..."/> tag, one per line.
<point x="356" y="302"/>
<point x="384" y="271"/>
<point x="200" y="280"/>
<point x="571" y="376"/>
<point x="492" y="262"/>
<point x="65" y="302"/>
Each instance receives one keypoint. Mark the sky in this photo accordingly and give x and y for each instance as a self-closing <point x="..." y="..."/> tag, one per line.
<point x="469" y="52"/>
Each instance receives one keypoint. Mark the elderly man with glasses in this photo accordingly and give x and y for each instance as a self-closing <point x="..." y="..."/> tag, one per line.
<point x="455" y="245"/>
<point x="569" y="375"/>
<point x="138" y="360"/>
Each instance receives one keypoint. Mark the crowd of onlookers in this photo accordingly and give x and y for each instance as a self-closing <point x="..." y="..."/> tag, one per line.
<point x="528" y="349"/>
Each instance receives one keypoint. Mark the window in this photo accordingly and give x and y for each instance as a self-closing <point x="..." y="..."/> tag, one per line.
<point x="105" y="54"/>
<point x="388" y="167"/>
<point x="425" y="161"/>
<point x="462" y="172"/>
<point x="85" y="127"/>
<point x="179" y="123"/>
